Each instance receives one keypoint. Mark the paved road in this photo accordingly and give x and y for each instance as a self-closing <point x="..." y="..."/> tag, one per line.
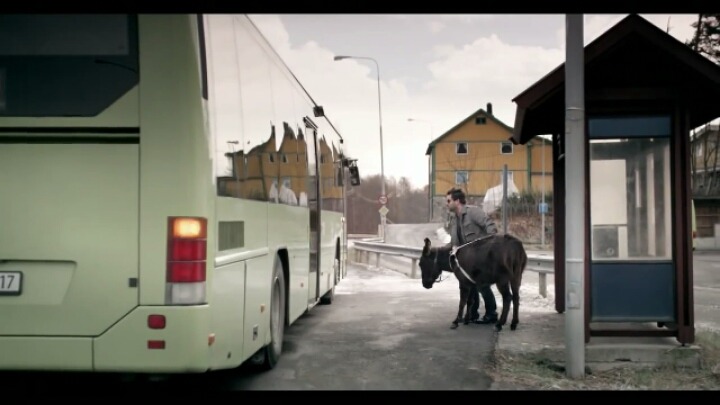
<point x="706" y="282"/>
<point x="383" y="331"/>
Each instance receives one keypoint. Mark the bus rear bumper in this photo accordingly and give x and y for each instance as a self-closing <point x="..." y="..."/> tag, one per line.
<point x="45" y="353"/>
<point x="128" y="346"/>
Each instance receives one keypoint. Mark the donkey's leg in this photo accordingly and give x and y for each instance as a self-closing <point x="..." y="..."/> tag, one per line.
<point x="515" y="285"/>
<point x="464" y="292"/>
<point x="473" y="305"/>
<point x="471" y="298"/>
<point x="504" y="289"/>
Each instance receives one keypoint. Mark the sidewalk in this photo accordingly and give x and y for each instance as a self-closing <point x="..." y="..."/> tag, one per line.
<point x="542" y="332"/>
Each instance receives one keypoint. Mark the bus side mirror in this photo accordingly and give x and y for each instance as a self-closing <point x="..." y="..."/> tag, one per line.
<point x="354" y="175"/>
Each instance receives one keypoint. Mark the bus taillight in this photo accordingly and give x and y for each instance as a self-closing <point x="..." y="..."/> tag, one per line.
<point x="186" y="272"/>
<point x="186" y="260"/>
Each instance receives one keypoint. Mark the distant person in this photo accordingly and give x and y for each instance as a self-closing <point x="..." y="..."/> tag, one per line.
<point x="469" y="223"/>
<point x="273" y="194"/>
<point x="287" y="196"/>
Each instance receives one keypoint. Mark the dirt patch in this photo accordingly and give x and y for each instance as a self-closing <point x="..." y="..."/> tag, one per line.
<point x="525" y="371"/>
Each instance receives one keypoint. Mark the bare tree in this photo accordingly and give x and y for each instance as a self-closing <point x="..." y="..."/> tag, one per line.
<point x="406" y="205"/>
<point x="706" y="41"/>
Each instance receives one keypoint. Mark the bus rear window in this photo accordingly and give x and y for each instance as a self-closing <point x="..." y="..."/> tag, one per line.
<point x="65" y="65"/>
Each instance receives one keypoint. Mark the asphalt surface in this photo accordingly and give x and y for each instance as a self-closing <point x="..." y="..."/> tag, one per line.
<point x="382" y="332"/>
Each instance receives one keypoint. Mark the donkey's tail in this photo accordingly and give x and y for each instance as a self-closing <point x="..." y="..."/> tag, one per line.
<point x="520" y="257"/>
<point x="523" y="259"/>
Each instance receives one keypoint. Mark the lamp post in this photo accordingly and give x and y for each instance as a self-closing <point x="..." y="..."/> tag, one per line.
<point x="383" y="196"/>
<point x="430" y="196"/>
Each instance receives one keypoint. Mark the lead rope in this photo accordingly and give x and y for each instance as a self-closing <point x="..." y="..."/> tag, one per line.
<point x="453" y="255"/>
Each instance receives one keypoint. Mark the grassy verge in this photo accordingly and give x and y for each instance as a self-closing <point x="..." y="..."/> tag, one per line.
<point x="533" y="372"/>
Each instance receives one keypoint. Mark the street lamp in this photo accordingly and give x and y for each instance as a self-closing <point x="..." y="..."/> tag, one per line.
<point x="430" y="197"/>
<point x="383" y="196"/>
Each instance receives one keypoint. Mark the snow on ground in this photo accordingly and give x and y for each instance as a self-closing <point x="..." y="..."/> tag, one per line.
<point x="366" y="277"/>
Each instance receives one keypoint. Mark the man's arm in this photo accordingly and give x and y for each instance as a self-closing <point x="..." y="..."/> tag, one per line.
<point x="453" y="231"/>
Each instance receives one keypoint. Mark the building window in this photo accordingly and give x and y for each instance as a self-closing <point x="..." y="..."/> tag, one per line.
<point x="480" y="120"/>
<point x="461" y="148"/>
<point x="283" y="158"/>
<point x="461" y="177"/>
<point x="506" y="148"/>
<point x="271" y="156"/>
<point x="699" y="149"/>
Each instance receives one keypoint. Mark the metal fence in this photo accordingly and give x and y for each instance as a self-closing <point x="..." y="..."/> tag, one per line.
<point x="362" y="250"/>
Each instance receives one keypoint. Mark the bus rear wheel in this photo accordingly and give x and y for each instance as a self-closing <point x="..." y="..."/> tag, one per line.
<point x="328" y="298"/>
<point x="268" y="357"/>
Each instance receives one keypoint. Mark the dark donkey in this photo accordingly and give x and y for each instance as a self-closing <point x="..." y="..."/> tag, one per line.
<point x="498" y="259"/>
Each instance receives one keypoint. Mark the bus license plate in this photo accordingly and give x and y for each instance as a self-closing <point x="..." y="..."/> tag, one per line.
<point x="10" y="282"/>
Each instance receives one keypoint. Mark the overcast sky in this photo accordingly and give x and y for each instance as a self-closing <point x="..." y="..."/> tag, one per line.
<point x="436" y="69"/>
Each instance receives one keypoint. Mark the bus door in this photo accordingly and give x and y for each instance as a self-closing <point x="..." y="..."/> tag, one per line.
<point x="313" y="191"/>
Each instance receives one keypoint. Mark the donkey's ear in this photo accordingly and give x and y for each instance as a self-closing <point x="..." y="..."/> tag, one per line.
<point x="426" y="247"/>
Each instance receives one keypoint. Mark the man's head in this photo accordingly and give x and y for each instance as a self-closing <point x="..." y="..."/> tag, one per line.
<point x="453" y="197"/>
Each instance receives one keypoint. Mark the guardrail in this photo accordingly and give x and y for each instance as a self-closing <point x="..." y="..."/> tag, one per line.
<point x="363" y="236"/>
<point x="541" y="263"/>
<point x="364" y="248"/>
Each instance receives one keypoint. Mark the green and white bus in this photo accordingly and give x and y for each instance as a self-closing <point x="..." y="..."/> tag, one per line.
<point x="171" y="197"/>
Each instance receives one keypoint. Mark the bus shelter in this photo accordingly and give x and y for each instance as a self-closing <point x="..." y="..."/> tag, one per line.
<point x="644" y="92"/>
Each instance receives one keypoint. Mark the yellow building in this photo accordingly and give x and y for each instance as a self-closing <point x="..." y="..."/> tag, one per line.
<point x="472" y="155"/>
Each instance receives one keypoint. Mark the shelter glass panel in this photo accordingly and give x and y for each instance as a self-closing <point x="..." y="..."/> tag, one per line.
<point x="630" y="193"/>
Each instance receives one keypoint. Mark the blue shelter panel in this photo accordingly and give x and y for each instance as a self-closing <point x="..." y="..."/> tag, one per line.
<point x="629" y="127"/>
<point x="632" y="292"/>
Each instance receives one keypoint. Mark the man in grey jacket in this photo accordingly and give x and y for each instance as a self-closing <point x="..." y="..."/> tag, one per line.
<point x="469" y="223"/>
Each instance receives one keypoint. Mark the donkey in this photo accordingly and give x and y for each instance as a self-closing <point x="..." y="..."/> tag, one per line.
<point x="498" y="259"/>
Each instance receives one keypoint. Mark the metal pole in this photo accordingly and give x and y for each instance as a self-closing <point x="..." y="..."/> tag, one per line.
<point x="382" y="160"/>
<point x="542" y="223"/>
<point x="345" y="217"/>
<point x="504" y="203"/>
<point x="383" y="219"/>
<point x="575" y="197"/>
<point x="431" y="208"/>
